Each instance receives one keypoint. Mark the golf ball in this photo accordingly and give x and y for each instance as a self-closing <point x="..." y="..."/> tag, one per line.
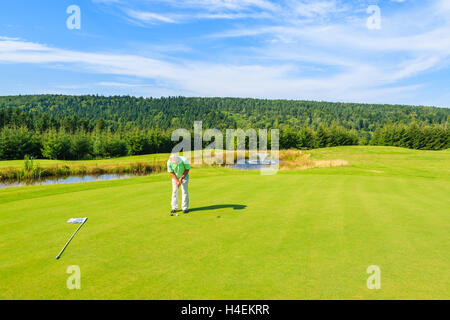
<point x="177" y="214"/>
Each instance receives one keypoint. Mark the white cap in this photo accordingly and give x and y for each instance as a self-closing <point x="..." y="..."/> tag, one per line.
<point x="174" y="159"/>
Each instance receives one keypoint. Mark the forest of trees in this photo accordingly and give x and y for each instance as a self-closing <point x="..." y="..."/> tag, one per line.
<point x="84" y="127"/>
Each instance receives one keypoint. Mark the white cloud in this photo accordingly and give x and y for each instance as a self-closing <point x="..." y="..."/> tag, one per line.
<point x="443" y="6"/>
<point x="220" y="5"/>
<point x="191" y="10"/>
<point x="8" y="38"/>
<point x="311" y="8"/>
<point x="393" y="54"/>
<point x="121" y="84"/>
<point x="17" y="45"/>
<point x="107" y="1"/>
<point x="149" y="17"/>
<point x="152" y="18"/>
<point x="215" y="79"/>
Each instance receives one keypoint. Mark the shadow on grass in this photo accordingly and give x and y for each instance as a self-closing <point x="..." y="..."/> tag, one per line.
<point x="219" y="206"/>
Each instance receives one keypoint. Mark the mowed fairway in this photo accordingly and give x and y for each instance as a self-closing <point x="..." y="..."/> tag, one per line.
<point x="307" y="234"/>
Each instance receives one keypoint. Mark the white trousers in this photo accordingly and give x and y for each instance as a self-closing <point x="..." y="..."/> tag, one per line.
<point x="185" y="194"/>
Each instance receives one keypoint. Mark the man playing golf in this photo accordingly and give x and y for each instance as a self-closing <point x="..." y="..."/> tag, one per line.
<point x="179" y="167"/>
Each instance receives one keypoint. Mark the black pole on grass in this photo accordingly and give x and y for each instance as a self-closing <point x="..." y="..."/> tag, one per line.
<point x="67" y="243"/>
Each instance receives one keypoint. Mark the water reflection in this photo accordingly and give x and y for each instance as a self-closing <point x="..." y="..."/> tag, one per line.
<point x="254" y="164"/>
<point x="63" y="180"/>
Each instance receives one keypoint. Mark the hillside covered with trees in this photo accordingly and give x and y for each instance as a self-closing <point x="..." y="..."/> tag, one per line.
<point x="81" y="127"/>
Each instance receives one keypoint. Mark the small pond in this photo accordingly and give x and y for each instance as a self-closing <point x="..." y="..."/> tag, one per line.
<point x="62" y="180"/>
<point x="254" y="164"/>
<point x="242" y="165"/>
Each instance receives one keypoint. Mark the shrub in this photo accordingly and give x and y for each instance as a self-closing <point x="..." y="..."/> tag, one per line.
<point x="81" y="146"/>
<point x="56" y="145"/>
<point x="115" y="147"/>
<point x="16" y="143"/>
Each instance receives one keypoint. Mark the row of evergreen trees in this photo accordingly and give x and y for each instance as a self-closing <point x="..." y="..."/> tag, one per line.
<point x="324" y="136"/>
<point x="17" y="142"/>
<point x="432" y="137"/>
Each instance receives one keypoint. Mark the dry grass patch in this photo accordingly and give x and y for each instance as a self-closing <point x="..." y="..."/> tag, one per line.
<point x="298" y="160"/>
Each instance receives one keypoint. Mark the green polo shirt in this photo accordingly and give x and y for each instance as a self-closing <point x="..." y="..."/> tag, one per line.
<point x="178" y="168"/>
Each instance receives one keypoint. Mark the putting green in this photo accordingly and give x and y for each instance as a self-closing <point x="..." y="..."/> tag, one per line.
<point x="307" y="234"/>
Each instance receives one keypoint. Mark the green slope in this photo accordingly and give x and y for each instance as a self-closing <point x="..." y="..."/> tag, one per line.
<point x="295" y="235"/>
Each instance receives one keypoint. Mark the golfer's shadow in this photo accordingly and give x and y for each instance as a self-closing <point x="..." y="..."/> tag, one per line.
<point x="219" y="206"/>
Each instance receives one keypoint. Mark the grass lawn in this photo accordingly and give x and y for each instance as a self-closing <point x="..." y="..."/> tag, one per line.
<point x="305" y="234"/>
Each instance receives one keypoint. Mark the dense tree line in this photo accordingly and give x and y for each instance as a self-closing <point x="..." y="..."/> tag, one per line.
<point x="433" y="137"/>
<point x="84" y="127"/>
<point x="72" y="113"/>
<point x="18" y="142"/>
<point x="324" y="136"/>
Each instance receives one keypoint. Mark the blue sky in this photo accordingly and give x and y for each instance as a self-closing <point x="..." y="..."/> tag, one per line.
<point x="294" y="49"/>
